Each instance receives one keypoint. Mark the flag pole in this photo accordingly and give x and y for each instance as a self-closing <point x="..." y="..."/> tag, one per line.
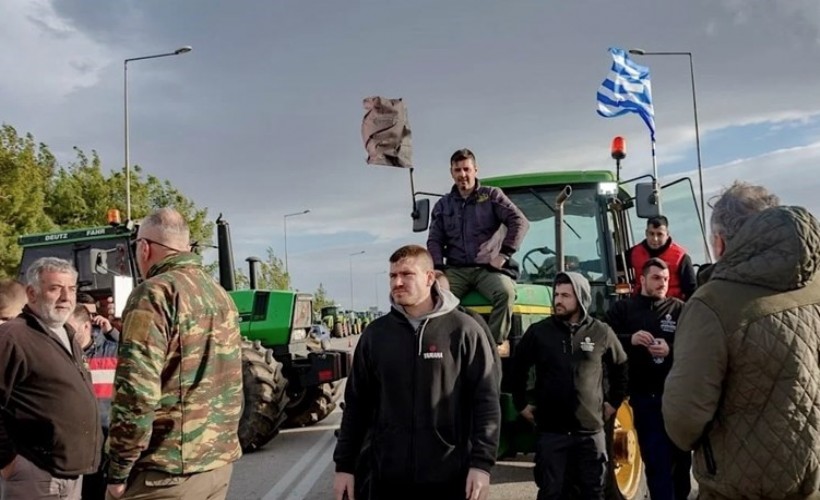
<point x="655" y="184"/>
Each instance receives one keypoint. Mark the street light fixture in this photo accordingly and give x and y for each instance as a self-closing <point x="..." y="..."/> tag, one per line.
<point x="351" y="275"/>
<point x="182" y="50"/>
<point x="285" y="219"/>
<point x="641" y="52"/>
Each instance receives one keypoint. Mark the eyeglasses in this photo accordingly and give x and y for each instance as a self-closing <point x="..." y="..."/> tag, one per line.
<point x="153" y="242"/>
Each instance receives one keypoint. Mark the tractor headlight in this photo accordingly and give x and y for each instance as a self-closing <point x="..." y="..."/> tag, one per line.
<point x="607" y="188"/>
<point x="298" y="334"/>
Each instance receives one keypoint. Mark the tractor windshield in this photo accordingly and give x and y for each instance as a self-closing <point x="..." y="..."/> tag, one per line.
<point x="97" y="262"/>
<point x="583" y="225"/>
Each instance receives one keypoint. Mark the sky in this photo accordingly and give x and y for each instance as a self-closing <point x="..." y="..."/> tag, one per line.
<point x="263" y="117"/>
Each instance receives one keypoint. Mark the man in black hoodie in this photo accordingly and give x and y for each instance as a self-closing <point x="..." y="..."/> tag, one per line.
<point x="646" y="326"/>
<point x="569" y="351"/>
<point x="422" y="386"/>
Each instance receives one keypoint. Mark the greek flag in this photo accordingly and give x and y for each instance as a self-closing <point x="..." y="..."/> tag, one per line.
<point x="627" y="89"/>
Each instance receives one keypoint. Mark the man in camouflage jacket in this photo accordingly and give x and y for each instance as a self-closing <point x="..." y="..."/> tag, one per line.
<point x="178" y="385"/>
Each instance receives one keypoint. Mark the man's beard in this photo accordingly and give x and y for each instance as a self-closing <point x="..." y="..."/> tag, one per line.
<point x="51" y="316"/>
<point x="565" y="314"/>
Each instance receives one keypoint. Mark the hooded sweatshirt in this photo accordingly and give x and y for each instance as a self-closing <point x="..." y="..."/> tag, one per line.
<point x="427" y="396"/>
<point x="569" y="368"/>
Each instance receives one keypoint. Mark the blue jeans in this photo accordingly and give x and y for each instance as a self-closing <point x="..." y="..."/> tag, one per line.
<point x="667" y="467"/>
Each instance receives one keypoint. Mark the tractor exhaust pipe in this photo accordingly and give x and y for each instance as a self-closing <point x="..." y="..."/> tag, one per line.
<point x="227" y="278"/>
<point x="559" y="227"/>
<point x="253" y="273"/>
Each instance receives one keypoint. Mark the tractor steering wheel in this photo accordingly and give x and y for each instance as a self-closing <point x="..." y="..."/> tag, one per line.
<point x="540" y="270"/>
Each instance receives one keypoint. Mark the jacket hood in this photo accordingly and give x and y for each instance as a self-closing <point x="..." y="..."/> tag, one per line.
<point x="580" y="286"/>
<point x="776" y="248"/>
<point x="444" y="300"/>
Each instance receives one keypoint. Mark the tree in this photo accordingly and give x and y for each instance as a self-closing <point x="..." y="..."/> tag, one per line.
<point x="38" y="195"/>
<point x="25" y="170"/>
<point x="321" y="299"/>
<point x="271" y="274"/>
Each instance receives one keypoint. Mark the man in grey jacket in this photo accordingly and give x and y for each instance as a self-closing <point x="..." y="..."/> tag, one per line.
<point x="474" y="231"/>
<point x="744" y="389"/>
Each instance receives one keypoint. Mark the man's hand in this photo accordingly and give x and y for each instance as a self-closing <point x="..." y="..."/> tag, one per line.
<point x="529" y="414"/>
<point x="102" y="322"/>
<point x="343" y="483"/>
<point x="478" y="484"/>
<point x="498" y="261"/>
<point x="8" y="470"/>
<point x="642" y="337"/>
<point x="116" y="490"/>
<point x="660" y="349"/>
<point x="609" y="410"/>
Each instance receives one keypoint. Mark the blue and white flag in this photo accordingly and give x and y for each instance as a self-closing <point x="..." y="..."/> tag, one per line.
<point x="627" y="89"/>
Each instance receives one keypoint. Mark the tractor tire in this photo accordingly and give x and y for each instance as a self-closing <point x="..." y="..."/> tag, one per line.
<point x="265" y="396"/>
<point x="314" y="405"/>
<point x="336" y="331"/>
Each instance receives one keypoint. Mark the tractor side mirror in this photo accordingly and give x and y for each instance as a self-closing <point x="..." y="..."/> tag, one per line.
<point x="647" y="200"/>
<point x="421" y="215"/>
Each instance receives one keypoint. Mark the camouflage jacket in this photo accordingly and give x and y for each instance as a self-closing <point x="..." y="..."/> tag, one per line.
<point x="178" y="385"/>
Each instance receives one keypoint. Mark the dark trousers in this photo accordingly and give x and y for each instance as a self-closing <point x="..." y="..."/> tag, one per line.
<point x="455" y="490"/>
<point x="568" y="462"/>
<point x="667" y="467"/>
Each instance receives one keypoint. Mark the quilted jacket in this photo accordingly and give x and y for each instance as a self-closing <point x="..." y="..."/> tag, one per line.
<point x="744" y="390"/>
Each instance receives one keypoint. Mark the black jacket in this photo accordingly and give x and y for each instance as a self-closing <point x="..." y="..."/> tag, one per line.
<point x="427" y="396"/>
<point x="49" y="412"/>
<point x="658" y="317"/>
<point x="569" y="393"/>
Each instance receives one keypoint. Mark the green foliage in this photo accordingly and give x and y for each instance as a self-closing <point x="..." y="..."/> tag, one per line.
<point x="38" y="195"/>
<point x="321" y="299"/>
<point x="271" y="274"/>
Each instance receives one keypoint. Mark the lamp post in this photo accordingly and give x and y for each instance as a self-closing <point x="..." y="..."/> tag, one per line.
<point x="641" y="52"/>
<point x="285" y="219"/>
<point x="376" y="283"/>
<point x="182" y="50"/>
<point x="351" y="275"/>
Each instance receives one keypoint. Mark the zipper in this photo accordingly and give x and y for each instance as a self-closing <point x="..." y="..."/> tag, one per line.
<point x="412" y="453"/>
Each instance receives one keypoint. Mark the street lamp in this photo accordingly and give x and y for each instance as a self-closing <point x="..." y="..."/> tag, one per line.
<point x="351" y="275"/>
<point x="376" y="282"/>
<point x="285" y="219"/>
<point x="641" y="52"/>
<point x="182" y="50"/>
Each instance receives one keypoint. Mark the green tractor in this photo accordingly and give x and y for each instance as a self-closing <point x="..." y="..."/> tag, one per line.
<point x="336" y="320"/>
<point x="288" y="380"/>
<point x="582" y="221"/>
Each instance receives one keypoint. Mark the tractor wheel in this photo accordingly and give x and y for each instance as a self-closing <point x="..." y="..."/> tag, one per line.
<point x="626" y="477"/>
<point x="265" y="396"/>
<point x="336" y="331"/>
<point x="313" y="405"/>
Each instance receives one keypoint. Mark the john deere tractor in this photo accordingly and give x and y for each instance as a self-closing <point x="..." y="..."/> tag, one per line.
<point x="336" y="320"/>
<point x="288" y="380"/>
<point x="582" y="221"/>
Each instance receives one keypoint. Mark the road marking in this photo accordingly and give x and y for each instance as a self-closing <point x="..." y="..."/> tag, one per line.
<point x="304" y="486"/>
<point x="283" y="484"/>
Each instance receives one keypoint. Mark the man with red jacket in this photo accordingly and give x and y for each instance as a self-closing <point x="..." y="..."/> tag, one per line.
<point x="658" y="243"/>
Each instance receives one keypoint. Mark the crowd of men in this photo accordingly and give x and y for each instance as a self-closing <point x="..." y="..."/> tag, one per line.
<point x="728" y="369"/>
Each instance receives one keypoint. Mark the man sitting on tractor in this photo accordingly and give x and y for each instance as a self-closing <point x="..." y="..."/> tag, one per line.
<point x="474" y="231"/>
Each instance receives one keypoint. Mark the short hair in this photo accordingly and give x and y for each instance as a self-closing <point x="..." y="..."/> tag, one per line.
<point x="733" y="207"/>
<point x="81" y="314"/>
<point x="85" y="298"/>
<point x="413" y="252"/>
<point x="11" y="290"/>
<point x="35" y="271"/>
<point x="653" y="262"/>
<point x="657" y="221"/>
<point x="563" y="279"/>
<point x="170" y="224"/>
<point x="461" y="155"/>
